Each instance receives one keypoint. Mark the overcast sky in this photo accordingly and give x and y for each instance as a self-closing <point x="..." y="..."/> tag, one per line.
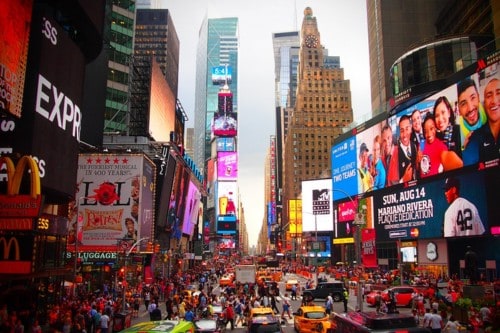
<point x="343" y="29"/>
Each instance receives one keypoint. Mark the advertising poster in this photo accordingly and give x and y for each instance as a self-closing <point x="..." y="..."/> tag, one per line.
<point x="109" y="205"/>
<point x="319" y="246"/>
<point x="368" y="248"/>
<point x="317" y="205"/>
<point x="368" y="150"/>
<point x="192" y="209"/>
<point x="430" y="210"/>
<point x="15" y="21"/>
<point x="226" y="224"/>
<point x="227" y="193"/>
<point x="227" y="165"/>
<point x="225" y="124"/>
<point x="146" y="204"/>
<point x="344" y="169"/>
<point x="222" y="75"/>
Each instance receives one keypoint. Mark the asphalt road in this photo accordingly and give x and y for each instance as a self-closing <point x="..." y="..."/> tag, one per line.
<point x="288" y="327"/>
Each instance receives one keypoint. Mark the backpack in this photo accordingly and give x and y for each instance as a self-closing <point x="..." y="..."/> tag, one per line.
<point x="97" y="319"/>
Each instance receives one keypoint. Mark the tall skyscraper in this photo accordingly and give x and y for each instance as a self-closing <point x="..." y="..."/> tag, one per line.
<point x="286" y="50"/>
<point x="393" y="26"/>
<point x="217" y="46"/>
<point x="153" y="104"/>
<point x="322" y="109"/>
<point x="120" y="34"/>
<point x="396" y="26"/>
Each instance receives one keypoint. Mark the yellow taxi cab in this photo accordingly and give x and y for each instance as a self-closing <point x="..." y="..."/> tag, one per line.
<point x="170" y="326"/>
<point x="226" y="280"/>
<point x="261" y="312"/>
<point x="289" y="284"/>
<point x="312" y="319"/>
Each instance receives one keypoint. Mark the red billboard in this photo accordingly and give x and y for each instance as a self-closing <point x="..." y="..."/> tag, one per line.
<point x="15" y="21"/>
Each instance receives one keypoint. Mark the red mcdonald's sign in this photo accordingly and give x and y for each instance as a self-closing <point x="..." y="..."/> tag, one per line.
<point x="20" y="206"/>
<point x="10" y="257"/>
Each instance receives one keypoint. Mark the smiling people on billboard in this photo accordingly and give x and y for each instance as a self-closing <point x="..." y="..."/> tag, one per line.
<point x="484" y="143"/>
<point x="472" y="115"/>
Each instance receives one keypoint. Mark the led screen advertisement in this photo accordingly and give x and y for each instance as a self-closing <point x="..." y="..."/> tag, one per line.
<point x="227" y="165"/>
<point x="448" y="131"/>
<point x="317" y="205"/>
<point x="49" y="129"/>
<point x="162" y="106"/>
<point x="15" y="19"/>
<point x="222" y="75"/>
<point x="192" y="209"/>
<point x="344" y="168"/>
<point x="225" y="124"/>
<point x="114" y="201"/>
<point x="227" y="195"/>
<point x="450" y="207"/>
<point x="319" y="246"/>
<point x="226" y="224"/>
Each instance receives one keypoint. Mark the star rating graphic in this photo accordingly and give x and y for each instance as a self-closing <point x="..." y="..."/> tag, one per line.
<point x="107" y="160"/>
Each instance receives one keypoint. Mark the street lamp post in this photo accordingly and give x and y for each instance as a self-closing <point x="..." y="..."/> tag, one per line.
<point x="127" y="253"/>
<point x="79" y="220"/>
<point x="359" y="223"/>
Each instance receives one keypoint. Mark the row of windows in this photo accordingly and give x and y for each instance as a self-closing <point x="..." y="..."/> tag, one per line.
<point x="313" y="108"/>
<point x="122" y="21"/>
<point x="325" y="98"/>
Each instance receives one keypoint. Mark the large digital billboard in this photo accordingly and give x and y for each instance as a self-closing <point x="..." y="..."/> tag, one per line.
<point x="317" y="205"/>
<point x="452" y="207"/>
<point x="222" y="75"/>
<point x="227" y="165"/>
<point x="15" y="19"/>
<point x="192" y="209"/>
<point x="161" y="106"/>
<point x="227" y="194"/>
<point x="450" y="130"/>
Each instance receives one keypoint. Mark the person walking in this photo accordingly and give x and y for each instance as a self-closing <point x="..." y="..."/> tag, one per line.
<point x="104" y="322"/>
<point x="286" y="307"/>
<point x="436" y="322"/>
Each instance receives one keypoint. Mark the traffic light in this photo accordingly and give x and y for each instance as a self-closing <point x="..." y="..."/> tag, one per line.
<point x="149" y="247"/>
<point x="157" y="248"/>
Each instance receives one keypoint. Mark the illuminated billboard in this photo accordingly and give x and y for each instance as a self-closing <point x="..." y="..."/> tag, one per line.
<point x="456" y="206"/>
<point x="227" y="194"/>
<point x="317" y="205"/>
<point x="448" y="131"/>
<point x="226" y="224"/>
<point x="222" y="75"/>
<point x="161" y="106"/>
<point x="114" y="200"/>
<point x="319" y="246"/>
<point x="15" y="20"/>
<point x="225" y="124"/>
<point x="192" y="209"/>
<point x="227" y="165"/>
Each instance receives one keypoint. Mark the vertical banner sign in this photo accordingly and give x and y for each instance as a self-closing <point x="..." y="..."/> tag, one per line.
<point x="369" y="251"/>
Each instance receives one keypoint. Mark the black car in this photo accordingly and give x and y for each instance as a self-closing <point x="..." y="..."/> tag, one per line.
<point x="324" y="289"/>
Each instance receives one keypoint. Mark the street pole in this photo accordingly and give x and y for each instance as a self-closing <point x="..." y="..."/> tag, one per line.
<point x="77" y="228"/>
<point x="125" y="259"/>
<point x="359" y="223"/>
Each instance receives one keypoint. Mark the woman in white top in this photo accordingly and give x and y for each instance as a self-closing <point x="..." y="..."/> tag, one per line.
<point x="451" y="326"/>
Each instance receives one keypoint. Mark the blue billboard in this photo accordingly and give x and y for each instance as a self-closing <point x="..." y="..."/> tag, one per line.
<point x="344" y="169"/>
